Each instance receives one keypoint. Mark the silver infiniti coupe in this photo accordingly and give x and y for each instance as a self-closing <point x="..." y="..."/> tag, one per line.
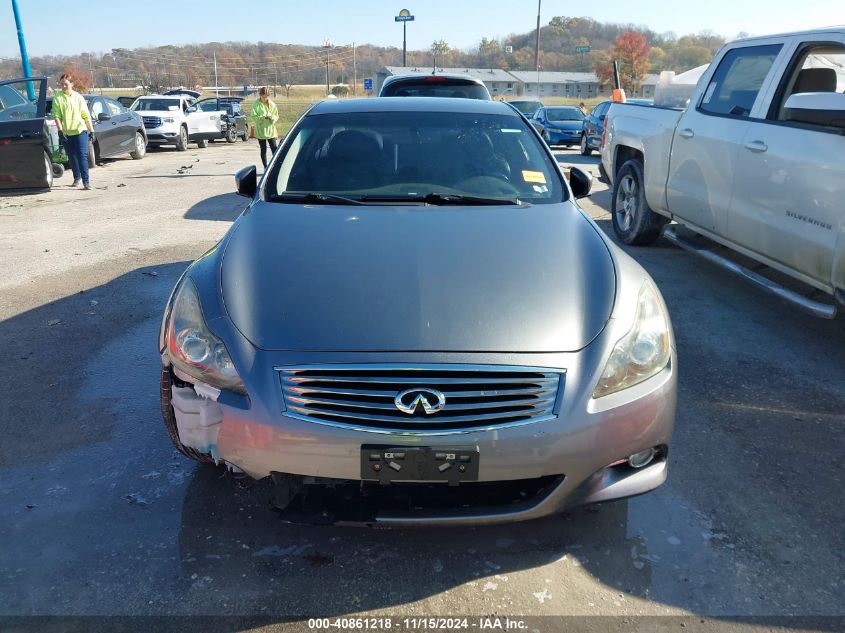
<point x="414" y="322"/>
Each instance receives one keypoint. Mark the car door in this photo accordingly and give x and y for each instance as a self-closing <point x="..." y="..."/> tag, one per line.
<point x="594" y="124"/>
<point x="787" y="201"/>
<point x="103" y="128"/>
<point x="203" y="124"/>
<point x="539" y="120"/>
<point x="24" y="159"/>
<point x="710" y="132"/>
<point x="124" y="124"/>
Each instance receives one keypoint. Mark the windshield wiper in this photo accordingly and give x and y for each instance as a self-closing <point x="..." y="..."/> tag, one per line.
<point x="314" y="198"/>
<point x="443" y="199"/>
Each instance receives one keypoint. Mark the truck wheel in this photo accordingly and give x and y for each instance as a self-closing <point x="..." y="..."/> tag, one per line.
<point x="202" y="143"/>
<point x="170" y="422"/>
<point x="140" y="147"/>
<point x="633" y="220"/>
<point x="58" y="170"/>
<point x="585" y="149"/>
<point x="182" y="141"/>
<point x="231" y="134"/>
<point x="48" y="171"/>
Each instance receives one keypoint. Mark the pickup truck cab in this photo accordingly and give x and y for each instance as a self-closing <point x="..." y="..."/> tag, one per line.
<point x="176" y="120"/>
<point x="754" y="162"/>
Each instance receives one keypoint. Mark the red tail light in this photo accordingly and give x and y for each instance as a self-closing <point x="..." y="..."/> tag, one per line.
<point x="603" y="133"/>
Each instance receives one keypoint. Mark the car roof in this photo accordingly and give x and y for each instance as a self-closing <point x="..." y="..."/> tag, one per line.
<point x="413" y="104"/>
<point x="417" y="76"/>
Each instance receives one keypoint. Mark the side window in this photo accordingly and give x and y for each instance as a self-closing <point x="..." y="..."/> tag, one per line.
<point x="736" y="82"/>
<point x="603" y="108"/>
<point x="815" y="68"/>
<point x="114" y="107"/>
<point x="97" y="108"/>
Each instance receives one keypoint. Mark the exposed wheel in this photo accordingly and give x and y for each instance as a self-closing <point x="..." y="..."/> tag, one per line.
<point x="246" y="135"/>
<point x="170" y="422"/>
<point x="633" y="220"/>
<point x="585" y="149"/>
<point x="58" y="170"/>
<point x="182" y="141"/>
<point x="202" y="143"/>
<point x="92" y="154"/>
<point x="140" y="147"/>
<point x="48" y="171"/>
<point x="231" y="134"/>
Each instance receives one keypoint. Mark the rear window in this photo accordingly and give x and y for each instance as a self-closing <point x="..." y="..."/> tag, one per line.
<point x="436" y="87"/>
<point x="564" y="114"/>
<point x="408" y="155"/>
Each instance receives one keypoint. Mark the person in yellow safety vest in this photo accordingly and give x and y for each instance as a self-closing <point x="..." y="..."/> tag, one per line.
<point x="70" y="111"/>
<point x="264" y="116"/>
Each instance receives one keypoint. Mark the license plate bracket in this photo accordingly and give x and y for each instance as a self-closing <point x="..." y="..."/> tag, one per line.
<point x="387" y="464"/>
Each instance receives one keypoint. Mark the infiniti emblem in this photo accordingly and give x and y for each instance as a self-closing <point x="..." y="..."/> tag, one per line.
<point x="410" y="400"/>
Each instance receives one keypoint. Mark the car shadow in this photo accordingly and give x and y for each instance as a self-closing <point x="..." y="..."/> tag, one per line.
<point x="225" y="207"/>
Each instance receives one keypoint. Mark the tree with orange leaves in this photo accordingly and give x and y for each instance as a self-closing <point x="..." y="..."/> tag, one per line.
<point x="630" y="50"/>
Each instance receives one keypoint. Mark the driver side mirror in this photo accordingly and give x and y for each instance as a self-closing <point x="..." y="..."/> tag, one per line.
<point x="581" y="182"/>
<point x="103" y="116"/>
<point x="246" y="182"/>
<point x="190" y="109"/>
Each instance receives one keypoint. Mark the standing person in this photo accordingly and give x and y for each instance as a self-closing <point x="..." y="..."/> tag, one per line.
<point x="583" y="108"/>
<point x="74" y="124"/>
<point x="264" y="116"/>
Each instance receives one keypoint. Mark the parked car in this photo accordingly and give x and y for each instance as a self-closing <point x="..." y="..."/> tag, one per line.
<point x="442" y="85"/>
<point x="559" y="125"/>
<point x="754" y="163"/>
<point x="593" y="127"/>
<point x="414" y="311"/>
<point x="126" y="102"/>
<point x="176" y="120"/>
<point x="117" y="130"/>
<point x="528" y="108"/>
<point x="25" y="152"/>
<point x="233" y="122"/>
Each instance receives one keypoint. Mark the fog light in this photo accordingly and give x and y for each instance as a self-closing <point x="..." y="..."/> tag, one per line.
<point x="643" y="458"/>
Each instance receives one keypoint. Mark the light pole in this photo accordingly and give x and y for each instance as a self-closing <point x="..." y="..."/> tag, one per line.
<point x="404" y="17"/>
<point x="27" y="71"/>
<point x="327" y="44"/>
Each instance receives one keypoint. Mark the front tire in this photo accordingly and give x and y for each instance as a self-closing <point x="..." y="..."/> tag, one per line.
<point x="182" y="141"/>
<point x="48" y="171"/>
<point x="585" y="147"/>
<point x="92" y="155"/>
<point x="231" y="135"/>
<point x="140" y="147"/>
<point x="246" y="135"/>
<point x="633" y="220"/>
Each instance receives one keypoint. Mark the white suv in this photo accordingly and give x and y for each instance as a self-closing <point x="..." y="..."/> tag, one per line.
<point x="176" y="120"/>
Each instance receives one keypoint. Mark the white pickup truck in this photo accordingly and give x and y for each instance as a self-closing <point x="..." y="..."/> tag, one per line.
<point x="175" y="119"/>
<point x="755" y="163"/>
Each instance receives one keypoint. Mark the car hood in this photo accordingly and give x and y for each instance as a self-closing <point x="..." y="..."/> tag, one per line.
<point x="417" y="278"/>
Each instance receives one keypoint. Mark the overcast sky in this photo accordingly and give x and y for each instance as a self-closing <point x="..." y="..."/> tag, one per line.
<point x="99" y="26"/>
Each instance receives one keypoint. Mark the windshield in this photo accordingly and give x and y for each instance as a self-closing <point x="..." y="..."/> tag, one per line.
<point x="406" y="156"/>
<point x="564" y="114"/>
<point x="160" y="105"/>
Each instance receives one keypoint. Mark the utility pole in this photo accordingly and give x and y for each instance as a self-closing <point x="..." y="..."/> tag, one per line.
<point x="275" y="78"/>
<point x="216" y="89"/>
<point x="327" y="44"/>
<point x="537" y="49"/>
<point x="354" y="73"/>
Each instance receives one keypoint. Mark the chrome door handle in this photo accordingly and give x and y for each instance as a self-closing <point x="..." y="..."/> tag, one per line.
<point x="756" y="146"/>
<point x="686" y="133"/>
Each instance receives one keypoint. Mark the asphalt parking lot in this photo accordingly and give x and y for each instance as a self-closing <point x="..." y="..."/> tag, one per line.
<point x="99" y="515"/>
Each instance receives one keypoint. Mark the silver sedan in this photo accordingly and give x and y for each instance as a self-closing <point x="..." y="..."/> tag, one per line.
<point x="414" y="322"/>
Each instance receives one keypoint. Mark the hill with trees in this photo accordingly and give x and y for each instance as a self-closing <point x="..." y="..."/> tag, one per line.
<point x="266" y="63"/>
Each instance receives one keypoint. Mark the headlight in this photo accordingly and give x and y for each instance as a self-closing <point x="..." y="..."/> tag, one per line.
<point x="169" y="120"/>
<point x="193" y="349"/>
<point x="643" y="351"/>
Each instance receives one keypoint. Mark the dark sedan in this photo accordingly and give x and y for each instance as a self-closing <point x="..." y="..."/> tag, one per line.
<point x="25" y="161"/>
<point x="234" y="122"/>
<point x="414" y="322"/>
<point x="559" y="125"/>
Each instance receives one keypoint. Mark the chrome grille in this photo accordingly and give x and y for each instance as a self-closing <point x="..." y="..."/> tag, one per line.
<point x="152" y="121"/>
<point x="477" y="396"/>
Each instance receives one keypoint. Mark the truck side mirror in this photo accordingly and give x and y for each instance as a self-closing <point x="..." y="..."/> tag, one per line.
<point x="816" y="108"/>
